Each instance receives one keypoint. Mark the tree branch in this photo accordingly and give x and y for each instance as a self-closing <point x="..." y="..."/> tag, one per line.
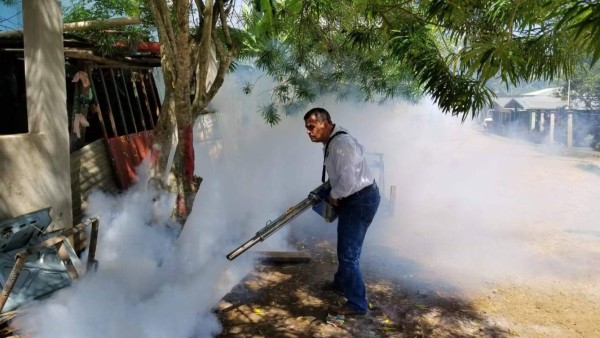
<point x="200" y="5"/>
<point x="204" y="53"/>
<point x="221" y="71"/>
<point x="224" y="26"/>
<point x="160" y="12"/>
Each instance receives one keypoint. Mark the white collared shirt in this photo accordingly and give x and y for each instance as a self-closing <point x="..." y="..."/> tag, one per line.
<point x="346" y="165"/>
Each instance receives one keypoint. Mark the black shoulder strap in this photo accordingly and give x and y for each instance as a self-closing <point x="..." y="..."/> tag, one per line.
<point x="326" y="153"/>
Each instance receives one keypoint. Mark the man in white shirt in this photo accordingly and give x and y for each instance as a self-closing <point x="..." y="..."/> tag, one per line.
<point x="356" y="197"/>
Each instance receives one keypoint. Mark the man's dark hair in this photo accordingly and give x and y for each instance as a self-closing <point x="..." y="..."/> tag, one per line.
<point x="319" y="113"/>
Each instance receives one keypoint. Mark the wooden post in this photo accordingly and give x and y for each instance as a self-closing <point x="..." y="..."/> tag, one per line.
<point x="111" y="118"/>
<point x="570" y="129"/>
<point x="118" y="99"/>
<point x="551" y="137"/>
<point x="96" y="103"/>
<point x="12" y="278"/>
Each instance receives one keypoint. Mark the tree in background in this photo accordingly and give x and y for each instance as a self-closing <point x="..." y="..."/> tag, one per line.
<point x="583" y="19"/>
<point x="583" y="92"/>
<point x="584" y="87"/>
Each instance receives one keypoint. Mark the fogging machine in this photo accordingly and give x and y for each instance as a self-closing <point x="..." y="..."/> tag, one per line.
<point x="317" y="200"/>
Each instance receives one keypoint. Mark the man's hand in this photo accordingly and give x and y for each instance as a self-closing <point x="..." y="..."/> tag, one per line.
<point x="332" y="201"/>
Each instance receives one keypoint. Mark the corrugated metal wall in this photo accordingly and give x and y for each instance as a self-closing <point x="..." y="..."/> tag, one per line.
<point x="90" y="169"/>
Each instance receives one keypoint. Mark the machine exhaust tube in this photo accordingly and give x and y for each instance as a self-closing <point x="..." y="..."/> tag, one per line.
<point x="314" y="197"/>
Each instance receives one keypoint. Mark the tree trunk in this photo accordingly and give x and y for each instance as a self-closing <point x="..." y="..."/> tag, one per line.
<point x="173" y="149"/>
<point x="173" y="152"/>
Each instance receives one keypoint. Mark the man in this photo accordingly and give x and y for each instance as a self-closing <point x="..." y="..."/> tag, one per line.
<point x="356" y="197"/>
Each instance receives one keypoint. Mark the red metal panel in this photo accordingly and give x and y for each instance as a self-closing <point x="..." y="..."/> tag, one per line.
<point x="127" y="152"/>
<point x="143" y="47"/>
<point x="143" y="143"/>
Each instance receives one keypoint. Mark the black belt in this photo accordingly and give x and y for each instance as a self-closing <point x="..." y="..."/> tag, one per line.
<point x="361" y="191"/>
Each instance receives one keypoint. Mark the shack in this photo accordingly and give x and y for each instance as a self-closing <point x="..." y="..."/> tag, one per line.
<point x="111" y="106"/>
<point x="544" y="117"/>
<point x="71" y="120"/>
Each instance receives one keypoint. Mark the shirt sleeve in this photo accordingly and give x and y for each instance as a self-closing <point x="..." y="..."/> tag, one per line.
<point x="345" y="159"/>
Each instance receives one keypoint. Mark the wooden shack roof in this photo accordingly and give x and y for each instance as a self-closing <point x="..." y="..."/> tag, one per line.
<point x="79" y="48"/>
<point x="536" y="103"/>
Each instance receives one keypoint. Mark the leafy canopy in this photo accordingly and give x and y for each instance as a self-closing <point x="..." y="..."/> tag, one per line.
<point x="84" y="10"/>
<point x="584" y="86"/>
<point x="448" y="50"/>
<point x="375" y="50"/>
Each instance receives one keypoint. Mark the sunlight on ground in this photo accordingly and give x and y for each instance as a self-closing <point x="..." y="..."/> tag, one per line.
<point x="307" y="299"/>
<point x="544" y="310"/>
<point x="265" y="279"/>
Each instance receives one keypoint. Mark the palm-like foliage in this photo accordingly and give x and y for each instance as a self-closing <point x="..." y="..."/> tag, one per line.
<point x="82" y="10"/>
<point x="583" y="17"/>
<point x="445" y="49"/>
<point x="456" y="93"/>
<point x="379" y="49"/>
<point x="9" y="2"/>
<point x="516" y="40"/>
<point x="318" y="48"/>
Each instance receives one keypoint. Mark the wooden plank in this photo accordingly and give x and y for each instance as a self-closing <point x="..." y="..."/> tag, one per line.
<point x="89" y="151"/>
<point x="91" y="166"/>
<point x="95" y="179"/>
<point x="87" y="184"/>
<point x="283" y="256"/>
<point x="81" y="194"/>
<point x="91" y="169"/>
<point x="99" y="174"/>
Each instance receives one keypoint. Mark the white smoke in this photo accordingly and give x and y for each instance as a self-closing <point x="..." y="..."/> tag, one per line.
<point x="467" y="208"/>
<point x="151" y="283"/>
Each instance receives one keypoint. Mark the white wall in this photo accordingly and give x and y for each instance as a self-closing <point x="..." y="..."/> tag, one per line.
<point x="35" y="167"/>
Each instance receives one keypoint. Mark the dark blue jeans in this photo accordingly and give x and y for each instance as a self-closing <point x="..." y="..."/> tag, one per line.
<point x="356" y="213"/>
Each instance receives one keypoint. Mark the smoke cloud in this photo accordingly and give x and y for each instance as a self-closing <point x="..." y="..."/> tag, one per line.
<point x="469" y="207"/>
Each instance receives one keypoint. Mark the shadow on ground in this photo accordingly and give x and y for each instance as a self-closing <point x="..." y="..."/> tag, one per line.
<point x="288" y="300"/>
<point x="590" y="168"/>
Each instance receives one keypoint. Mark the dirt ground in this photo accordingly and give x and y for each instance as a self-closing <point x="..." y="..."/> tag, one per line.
<point x="286" y="300"/>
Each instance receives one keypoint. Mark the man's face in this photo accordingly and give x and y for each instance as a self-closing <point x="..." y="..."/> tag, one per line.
<point x="318" y="130"/>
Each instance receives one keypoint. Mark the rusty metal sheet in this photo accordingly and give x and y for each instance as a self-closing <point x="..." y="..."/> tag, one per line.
<point x="126" y="153"/>
<point x="41" y="273"/>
